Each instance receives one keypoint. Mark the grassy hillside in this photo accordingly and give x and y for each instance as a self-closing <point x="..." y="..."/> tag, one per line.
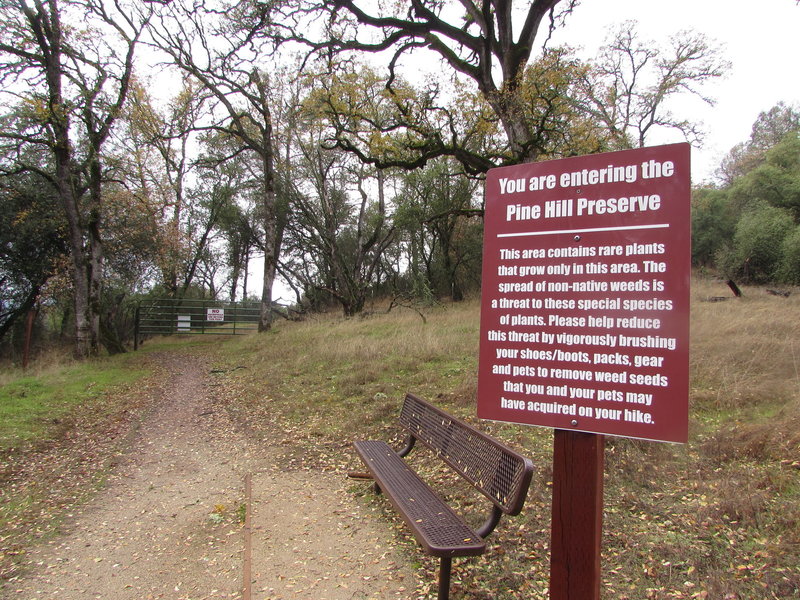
<point x="717" y="518"/>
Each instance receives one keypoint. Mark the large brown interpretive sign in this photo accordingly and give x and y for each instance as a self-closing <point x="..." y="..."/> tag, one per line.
<point x="585" y="303"/>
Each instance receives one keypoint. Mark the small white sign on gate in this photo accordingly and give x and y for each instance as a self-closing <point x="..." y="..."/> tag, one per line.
<point x="215" y="314"/>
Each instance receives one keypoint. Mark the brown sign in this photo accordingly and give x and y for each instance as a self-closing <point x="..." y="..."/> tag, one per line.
<point x="585" y="303"/>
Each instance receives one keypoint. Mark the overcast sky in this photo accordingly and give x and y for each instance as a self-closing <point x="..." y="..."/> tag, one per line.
<point x="762" y="41"/>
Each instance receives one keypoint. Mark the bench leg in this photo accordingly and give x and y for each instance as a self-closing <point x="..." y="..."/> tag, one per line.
<point x="444" y="578"/>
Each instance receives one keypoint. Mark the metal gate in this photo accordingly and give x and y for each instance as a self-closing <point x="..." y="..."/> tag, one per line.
<point x="168" y="316"/>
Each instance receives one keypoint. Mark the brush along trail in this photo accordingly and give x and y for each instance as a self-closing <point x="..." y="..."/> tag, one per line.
<point x="169" y="522"/>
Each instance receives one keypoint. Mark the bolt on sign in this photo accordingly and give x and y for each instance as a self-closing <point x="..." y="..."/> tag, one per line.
<point x="585" y="302"/>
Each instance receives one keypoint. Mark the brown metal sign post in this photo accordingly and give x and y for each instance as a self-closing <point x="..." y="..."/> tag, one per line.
<point x="585" y="322"/>
<point x="577" y="518"/>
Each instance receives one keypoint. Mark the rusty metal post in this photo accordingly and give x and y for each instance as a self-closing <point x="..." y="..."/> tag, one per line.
<point x="136" y="327"/>
<point x="247" y="569"/>
<point x="577" y="518"/>
<point x="26" y="345"/>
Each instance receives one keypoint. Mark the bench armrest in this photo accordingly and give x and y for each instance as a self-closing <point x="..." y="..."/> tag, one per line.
<point x="410" y="441"/>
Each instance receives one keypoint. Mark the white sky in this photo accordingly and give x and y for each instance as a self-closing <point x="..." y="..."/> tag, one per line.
<point x="762" y="41"/>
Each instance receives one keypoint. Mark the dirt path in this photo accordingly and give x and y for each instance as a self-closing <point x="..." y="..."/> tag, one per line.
<point x="168" y="524"/>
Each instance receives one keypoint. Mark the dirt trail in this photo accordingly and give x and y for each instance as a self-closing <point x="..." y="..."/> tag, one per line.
<point x="168" y="522"/>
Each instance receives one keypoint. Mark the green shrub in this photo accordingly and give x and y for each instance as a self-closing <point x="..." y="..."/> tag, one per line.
<point x="756" y="252"/>
<point x="789" y="268"/>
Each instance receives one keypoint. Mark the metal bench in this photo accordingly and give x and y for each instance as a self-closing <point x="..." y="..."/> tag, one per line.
<point x="501" y="474"/>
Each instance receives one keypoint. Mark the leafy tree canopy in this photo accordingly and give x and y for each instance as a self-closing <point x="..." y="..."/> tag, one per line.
<point x="749" y="227"/>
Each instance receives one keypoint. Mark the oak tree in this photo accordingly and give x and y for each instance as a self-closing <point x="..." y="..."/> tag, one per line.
<point x="477" y="41"/>
<point x="67" y="66"/>
<point x="213" y="46"/>
<point x="629" y="88"/>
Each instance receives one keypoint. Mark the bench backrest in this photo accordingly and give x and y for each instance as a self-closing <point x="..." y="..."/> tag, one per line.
<point x="500" y="473"/>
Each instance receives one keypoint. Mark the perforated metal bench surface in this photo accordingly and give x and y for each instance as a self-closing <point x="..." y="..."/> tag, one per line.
<point x="434" y="524"/>
<point x="498" y="472"/>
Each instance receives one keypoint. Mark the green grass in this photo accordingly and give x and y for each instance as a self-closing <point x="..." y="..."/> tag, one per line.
<point x="62" y="423"/>
<point x="32" y="407"/>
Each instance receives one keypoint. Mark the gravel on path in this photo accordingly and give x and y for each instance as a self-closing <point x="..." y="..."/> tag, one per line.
<point x="168" y="522"/>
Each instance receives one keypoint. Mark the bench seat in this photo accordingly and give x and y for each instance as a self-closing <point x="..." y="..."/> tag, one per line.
<point x="434" y="524"/>
<point x="491" y="467"/>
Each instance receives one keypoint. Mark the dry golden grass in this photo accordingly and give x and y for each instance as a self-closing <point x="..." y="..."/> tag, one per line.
<point x="43" y="365"/>
<point x="746" y="350"/>
<point x="746" y="372"/>
<point x="718" y="518"/>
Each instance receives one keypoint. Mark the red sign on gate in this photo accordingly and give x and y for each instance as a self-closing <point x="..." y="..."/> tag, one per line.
<point x="585" y="304"/>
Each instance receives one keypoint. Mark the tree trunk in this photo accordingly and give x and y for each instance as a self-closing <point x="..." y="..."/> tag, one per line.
<point x="506" y="105"/>
<point x="96" y="254"/>
<point x="80" y="282"/>
<point x="81" y="267"/>
<point x="271" y="243"/>
<point x="87" y="259"/>
<point x="235" y="274"/>
<point x="246" y="268"/>
<point x="65" y="183"/>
